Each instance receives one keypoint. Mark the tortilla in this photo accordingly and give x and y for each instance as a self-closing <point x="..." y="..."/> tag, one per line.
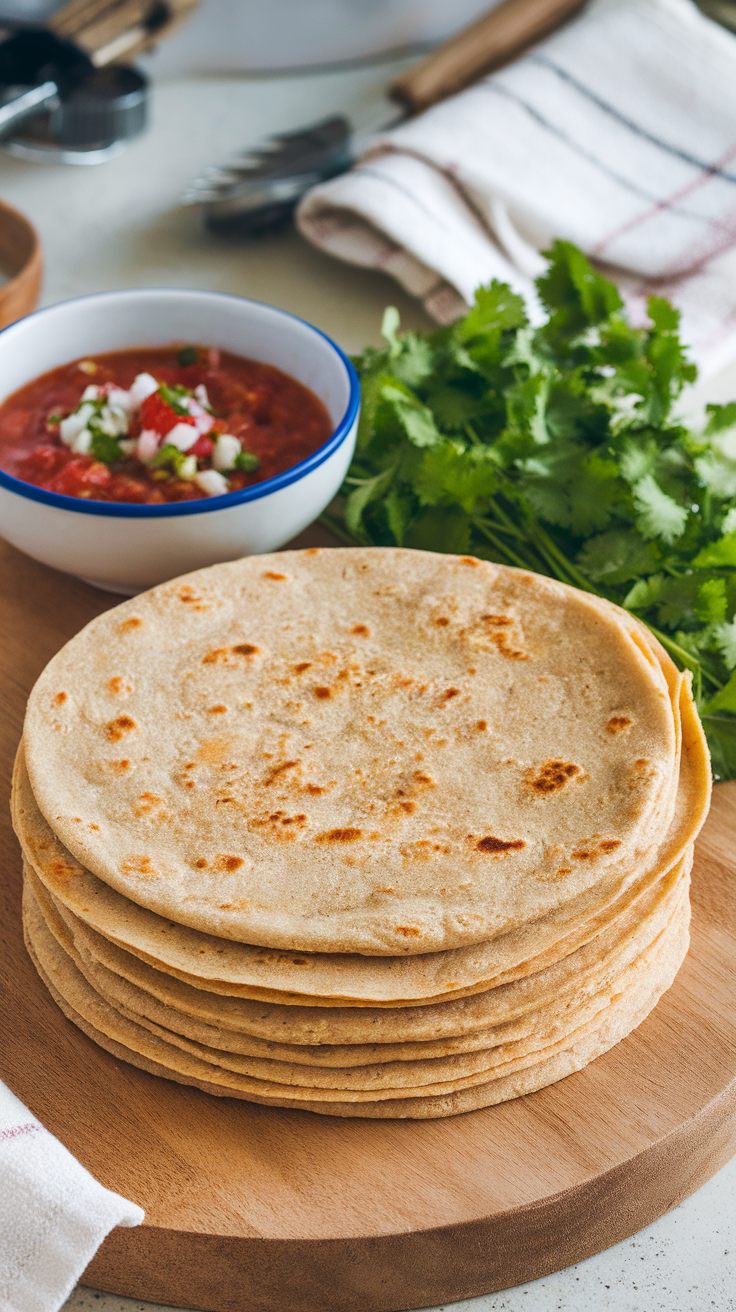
<point x="126" y="1039"/>
<point x="242" y="970"/>
<point x="446" y="750"/>
<point x="553" y="1000"/>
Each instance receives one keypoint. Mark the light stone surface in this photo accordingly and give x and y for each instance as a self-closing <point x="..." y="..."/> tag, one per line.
<point x="120" y="225"/>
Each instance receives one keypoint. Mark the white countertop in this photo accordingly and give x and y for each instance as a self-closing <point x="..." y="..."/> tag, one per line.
<point x="120" y="225"/>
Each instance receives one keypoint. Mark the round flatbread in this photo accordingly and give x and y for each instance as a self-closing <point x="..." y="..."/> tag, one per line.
<point x="341" y="979"/>
<point x="514" y="1012"/>
<point x="547" y="1029"/>
<point x="444" y="750"/>
<point x="125" y="1039"/>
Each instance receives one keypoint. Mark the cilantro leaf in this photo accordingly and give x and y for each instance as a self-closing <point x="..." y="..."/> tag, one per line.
<point x="175" y="397"/>
<point x="658" y="515"/>
<point x="618" y="555"/>
<point x="576" y="296"/>
<point x="449" y="473"/>
<point x="104" y="447"/>
<point x="440" y="529"/>
<point x="369" y="490"/>
<point x="415" y="418"/>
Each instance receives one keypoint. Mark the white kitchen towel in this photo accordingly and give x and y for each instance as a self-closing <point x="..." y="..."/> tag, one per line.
<point x="53" y="1214"/>
<point x="618" y="133"/>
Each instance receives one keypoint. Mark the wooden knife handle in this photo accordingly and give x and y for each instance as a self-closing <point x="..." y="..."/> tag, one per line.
<point x="492" y="40"/>
<point x="118" y="29"/>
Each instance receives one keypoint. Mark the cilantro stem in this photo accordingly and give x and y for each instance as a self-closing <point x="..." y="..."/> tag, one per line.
<point x="575" y="576"/>
<point x="333" y="525"/>
<point x="506" y="552"/>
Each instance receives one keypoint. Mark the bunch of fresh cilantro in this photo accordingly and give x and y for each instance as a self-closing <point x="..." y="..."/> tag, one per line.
<point x="556" y="449"/>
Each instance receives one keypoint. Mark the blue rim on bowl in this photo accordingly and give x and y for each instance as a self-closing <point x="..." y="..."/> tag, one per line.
<point x="128" y="510"/>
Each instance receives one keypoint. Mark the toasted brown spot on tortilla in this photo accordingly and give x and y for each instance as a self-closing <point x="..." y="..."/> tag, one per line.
<point x="218" y="710"/>
<point x="279" y="769"/>
<point x="590" y="849"/>
<point x="361" y="629"/>
<point x="190" y="597"/>
<point x="116" y="728"/>
<point x="213" y="657"/>
<point x="229" y="862"/>
<point x="118" y="767"/>
<point x="442" y="622"/>
<point x="138" y="865"/>
<point x="314" y="789"/>
<point x="552" y="876"/>
<point x="128" y="625"/>
<point x="146" y="803"/>
<point x="551" y="776"/>
<point x="481" y="725"/>
<point x="245" y="649"/>
<point x="450" y="693"/>
<point x="491" y="844"/>
<point x="618" y="723"/>
<point x="60" y="868"/>
<point x="60" y="698"/>
<point x="322" y="693"/>
<point x="339" y="836"/>
<point x="302" y="666"/>
<point x="201" y="864"/>
<point x="270" y="574"/>
<point x="119" y="686"/>
<point x="469" y="560"/>
<point x="409" y="931"/>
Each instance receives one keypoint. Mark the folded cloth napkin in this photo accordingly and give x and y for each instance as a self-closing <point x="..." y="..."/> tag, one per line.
<point x="53" y="1214"/>
<point x="618" y="133"/>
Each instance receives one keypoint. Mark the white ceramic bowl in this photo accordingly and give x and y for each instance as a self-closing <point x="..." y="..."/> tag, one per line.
<point x="125" y="548"/>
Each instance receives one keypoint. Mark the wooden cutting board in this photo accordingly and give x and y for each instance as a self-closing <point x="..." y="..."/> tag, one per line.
<point x="256" y="1209"/>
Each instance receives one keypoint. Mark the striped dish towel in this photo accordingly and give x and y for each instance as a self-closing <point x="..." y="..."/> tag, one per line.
<point x="53" y="1213"/>
<point x="618" y="134"/>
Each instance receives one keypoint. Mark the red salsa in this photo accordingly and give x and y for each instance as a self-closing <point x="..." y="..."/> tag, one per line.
<point x="159" y="424"/>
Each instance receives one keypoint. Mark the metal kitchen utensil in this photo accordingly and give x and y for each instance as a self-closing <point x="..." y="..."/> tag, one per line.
<point x="62" y="98"/>
<point x="87" y="110"/>
<point x="258" y="188"/>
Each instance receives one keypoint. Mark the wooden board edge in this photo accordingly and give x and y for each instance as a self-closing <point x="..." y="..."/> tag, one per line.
<point x="390" y="1273"/>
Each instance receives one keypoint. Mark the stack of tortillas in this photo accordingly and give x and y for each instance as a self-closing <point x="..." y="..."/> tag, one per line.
<point x="370" y="832"/>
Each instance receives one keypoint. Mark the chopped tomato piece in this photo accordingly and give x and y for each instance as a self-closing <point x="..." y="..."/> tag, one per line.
<point x="126" y="488"/>
<point x="159" y="416"/>
<point x="42" y="464"/>
<point x="81" y="476"/>
<point x="202" y="449"/>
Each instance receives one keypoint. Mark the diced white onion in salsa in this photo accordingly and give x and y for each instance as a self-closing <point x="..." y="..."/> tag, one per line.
<point x="182" y="436"/>
<point x="147" y="445"/>
<point x="211" y="482"/>
<point x="143" y="386"/>
<point x="227" y="449"/>
<point x="82" y="442"/>
<point x="74" y="423"/>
